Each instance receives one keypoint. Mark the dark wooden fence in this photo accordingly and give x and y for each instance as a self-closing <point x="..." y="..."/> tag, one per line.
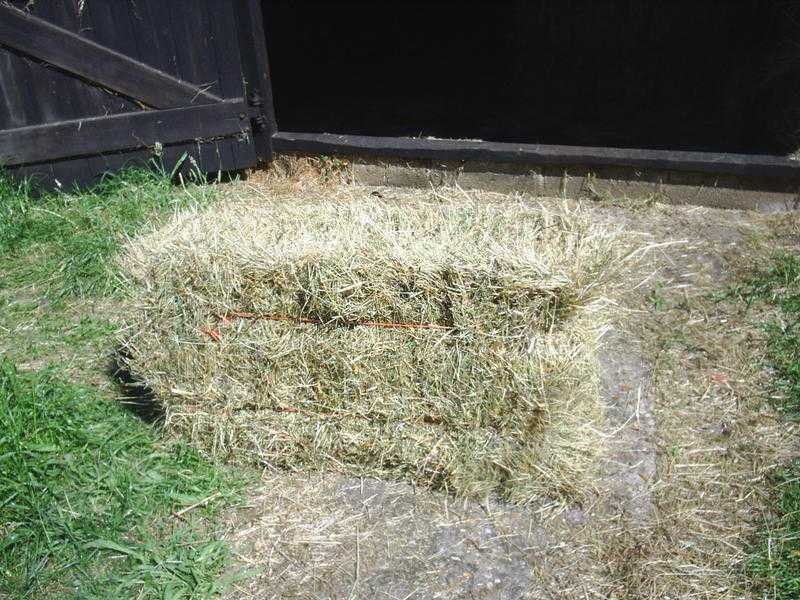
<point x="89" y="86"/>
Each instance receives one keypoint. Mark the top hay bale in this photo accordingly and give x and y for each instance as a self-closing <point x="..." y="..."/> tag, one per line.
<point x="453" y="343"/>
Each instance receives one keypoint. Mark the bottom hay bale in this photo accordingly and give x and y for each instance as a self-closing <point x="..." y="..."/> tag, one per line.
<point x="454" y="345"/>
<point x="551" y="461"/>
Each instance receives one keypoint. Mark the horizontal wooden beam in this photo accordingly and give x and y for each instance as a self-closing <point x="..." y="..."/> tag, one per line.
<point x="100" y="135"/>
<point x="95" y="63"/>
<point x="457" y="150"/>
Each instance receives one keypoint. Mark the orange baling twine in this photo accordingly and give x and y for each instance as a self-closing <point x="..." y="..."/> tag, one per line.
<point x="228" y="317"/>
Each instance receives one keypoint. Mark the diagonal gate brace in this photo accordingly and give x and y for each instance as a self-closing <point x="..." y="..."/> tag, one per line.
<point x="77" y="55"/>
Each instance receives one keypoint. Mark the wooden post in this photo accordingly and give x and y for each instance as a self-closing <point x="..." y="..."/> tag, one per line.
<point x="255" y="67"/>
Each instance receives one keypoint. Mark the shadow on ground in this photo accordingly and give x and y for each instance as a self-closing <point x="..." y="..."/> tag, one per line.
<point x="135" y="396"/>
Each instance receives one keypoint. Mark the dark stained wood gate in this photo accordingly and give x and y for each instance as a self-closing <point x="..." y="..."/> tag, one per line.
<point x="90" y="86"/>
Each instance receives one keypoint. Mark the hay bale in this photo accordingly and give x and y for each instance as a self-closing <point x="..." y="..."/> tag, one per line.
<point x="450" y="343"/>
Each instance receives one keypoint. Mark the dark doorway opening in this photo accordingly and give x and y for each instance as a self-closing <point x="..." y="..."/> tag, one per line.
<point x="707" y="75"/>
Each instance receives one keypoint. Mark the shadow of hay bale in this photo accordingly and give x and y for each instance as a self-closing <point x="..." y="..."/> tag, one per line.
<point x="136" y="396"/>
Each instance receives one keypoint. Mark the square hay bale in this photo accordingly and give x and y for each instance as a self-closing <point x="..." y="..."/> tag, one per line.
<point x="451" y="343"/>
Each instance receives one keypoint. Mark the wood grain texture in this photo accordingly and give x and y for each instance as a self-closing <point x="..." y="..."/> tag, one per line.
<point x="255" y="67"/>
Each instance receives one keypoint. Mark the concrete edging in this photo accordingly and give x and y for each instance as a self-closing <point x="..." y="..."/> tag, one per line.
<point x="671" y="187"/>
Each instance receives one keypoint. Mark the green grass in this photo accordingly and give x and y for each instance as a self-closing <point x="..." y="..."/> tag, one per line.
<point x="779" y="285"/>
<point x="65" y="241"/>
<point x="776" y="565"/>
<point x="89" y="493"/>
<point x="776" y="562"/>
<point x="58" y="285"/>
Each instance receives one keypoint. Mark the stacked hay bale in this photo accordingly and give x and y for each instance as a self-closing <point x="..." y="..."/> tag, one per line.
<point x="452" y="343"/>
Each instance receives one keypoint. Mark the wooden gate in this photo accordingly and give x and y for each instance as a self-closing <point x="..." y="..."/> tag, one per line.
<point x="89" y="86"/>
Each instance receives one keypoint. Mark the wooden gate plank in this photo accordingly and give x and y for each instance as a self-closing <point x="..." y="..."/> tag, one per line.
<point x="224" y="46"/>
<point x="85" y="137"/>
<point x="36" y="37"/>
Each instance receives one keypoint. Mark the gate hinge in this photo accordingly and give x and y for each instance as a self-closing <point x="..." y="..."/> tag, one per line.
<point x="259" y="118"/>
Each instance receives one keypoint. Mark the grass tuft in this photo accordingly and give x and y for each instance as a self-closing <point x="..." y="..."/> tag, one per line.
<point x="779" y="285"/>
<point x="777" y="564"/>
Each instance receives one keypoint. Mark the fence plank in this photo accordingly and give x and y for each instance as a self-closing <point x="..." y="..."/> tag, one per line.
<point x="99" y="64"/>
<point x="84" y="137"/>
